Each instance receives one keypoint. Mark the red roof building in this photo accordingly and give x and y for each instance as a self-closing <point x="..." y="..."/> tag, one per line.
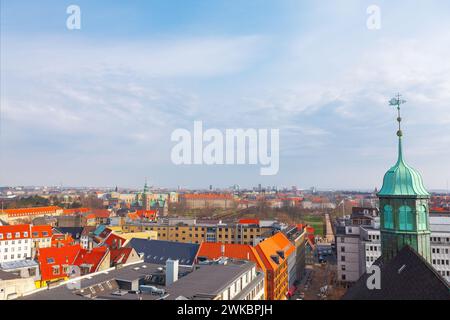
<point x="37" y="211"/>
<point x="120" y="255"/>
<point x="75" y="211"/>
<point x="113" y="241"/>
<point x="54" y="263"/>
<point x="90" y="260"/>
<point x="15" y="232"/>
<point x="216" y="250"/>
<point x="249" y="221"/>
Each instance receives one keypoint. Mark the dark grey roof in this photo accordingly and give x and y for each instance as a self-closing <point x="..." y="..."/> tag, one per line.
<point x="8" y="275"/>
<point x="133" y="272"/>
<point x="158" y="251"/>
<point x="75" y="232"/>
<point x="408" y="276"/>
<point x="208" y="281"/>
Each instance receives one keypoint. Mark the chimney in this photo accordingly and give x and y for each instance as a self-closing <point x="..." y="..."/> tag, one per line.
<point x="171" y="271"/>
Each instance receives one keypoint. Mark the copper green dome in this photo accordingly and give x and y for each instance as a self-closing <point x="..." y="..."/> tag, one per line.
<point x="402" y="180"/>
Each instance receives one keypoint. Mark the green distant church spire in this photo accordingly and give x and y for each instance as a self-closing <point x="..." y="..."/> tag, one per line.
<point x="403" y="205"/>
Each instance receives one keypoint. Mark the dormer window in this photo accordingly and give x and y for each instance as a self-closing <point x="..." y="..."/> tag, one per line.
<point x="281" y="253"/>
<point x="275" y="258"/>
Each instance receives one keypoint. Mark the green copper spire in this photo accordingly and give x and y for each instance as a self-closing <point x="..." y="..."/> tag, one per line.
<point x="404" y="205"/>
<point x="401" y="179"/>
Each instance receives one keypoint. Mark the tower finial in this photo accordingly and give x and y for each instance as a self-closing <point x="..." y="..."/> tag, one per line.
<point x="397" y="101"/>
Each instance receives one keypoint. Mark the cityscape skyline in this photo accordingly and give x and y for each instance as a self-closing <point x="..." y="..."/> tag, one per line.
<point x="96" y="106"/>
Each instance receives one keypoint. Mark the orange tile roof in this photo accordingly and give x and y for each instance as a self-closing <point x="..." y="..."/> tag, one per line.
<point x="270" y="246"/>
<point x="147" y="214"/>
<point x="234" y="251"/>
<point x="76" y="210"/>
<point x="23" y="212"/>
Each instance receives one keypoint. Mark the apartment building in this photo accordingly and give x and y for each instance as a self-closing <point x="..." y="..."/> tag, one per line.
<point x="275" y="253"/>
<point x="440" y="244"/>
<point x="358" y="244"/>
<point x="20" y="242"/>
<point x="197" y="232"/>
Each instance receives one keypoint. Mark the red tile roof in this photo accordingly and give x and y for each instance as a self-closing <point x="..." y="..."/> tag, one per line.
<point x="114" y="241"/>
<point x="249" y="221"/>
<point x="101" y="213"/>
<point x="20" y="231"/>
<point x="120" y="255"/>
<point x="61" y="240"/>
<point x="91" y="258"/>
<point x="42" y="231"/>
<point x="51" y="261"/>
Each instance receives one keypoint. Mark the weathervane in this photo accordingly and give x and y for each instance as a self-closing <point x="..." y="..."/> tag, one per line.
<point x="397" y="101"/>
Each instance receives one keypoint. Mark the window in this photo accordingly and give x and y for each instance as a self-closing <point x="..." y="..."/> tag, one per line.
<point x="342" y="258"/>
<point x="17" y="235"/>
<point x="406" y="218"/>
<point x="422" y="212"/>
<point x="388" y="217"/>
<point x="342" y="249"/>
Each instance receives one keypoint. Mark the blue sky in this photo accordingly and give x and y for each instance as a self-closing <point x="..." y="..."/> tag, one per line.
<point x="96" y="106"/>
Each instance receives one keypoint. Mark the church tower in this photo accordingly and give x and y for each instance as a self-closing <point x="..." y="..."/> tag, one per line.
<point x="145" y="197"/>
<point x="403" y="205"/>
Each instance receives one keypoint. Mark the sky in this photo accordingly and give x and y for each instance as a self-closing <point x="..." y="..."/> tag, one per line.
<point x="97" y="106"/>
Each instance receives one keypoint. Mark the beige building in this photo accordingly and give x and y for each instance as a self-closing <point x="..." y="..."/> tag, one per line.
<point x="202" y="232"/>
